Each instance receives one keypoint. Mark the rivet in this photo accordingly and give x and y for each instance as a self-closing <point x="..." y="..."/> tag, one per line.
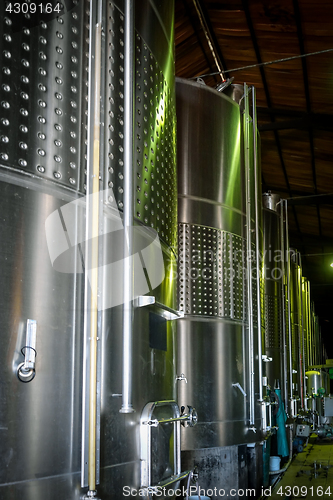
<point x="8" y="21"/>
<point x="60" y="35"/>
<point x="6" y="88"/>
<point x="42" y="40"/>
<point x="74" y="45"/>
<point x="74" y="74"/>
<point x="71" y="180"/>
<point x="25" y="46"/>
<point x="58" y="96"/>
<point x="58" y="111"/>
<point x="7" y="54"/>
<point x="73" y="119"/>
<point x="58" y="143"/>
<point x="5" y="122"/>
<point x="41" y="119"/>
<point x="59" y="65"/>
<point x="40" y="169"/>
<point x="6" y="70"/>
<point x="24" y="79"/>
<point x="57" y="175"/>
<point x="58" y="127"/>
<point x="7" y="37"/>
<point x="24" y="112"/>
<point x="57" y="158"/>
<point x="42" y="87"/>
<point x="59" y="50"/>
<point x="74" y="59"/>
<point x="73" y="89"/>
<point x="4" y="156"/>
<point x="26" y="31"/>
<point x="41" y="136"/>
<point x="41" y="152"/>
<point x="72" y="164"/>
<point x="4" y="139"/>
<point x="41" y="103"/>
<point x="73" y="104"/>
<point x="22" y="162"/>
<point x="72" y="149"/>
<point x="58" y="80"/>
<point x="42" y="71"/>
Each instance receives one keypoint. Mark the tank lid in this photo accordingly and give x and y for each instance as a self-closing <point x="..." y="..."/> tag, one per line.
<point x="270" y="200"/>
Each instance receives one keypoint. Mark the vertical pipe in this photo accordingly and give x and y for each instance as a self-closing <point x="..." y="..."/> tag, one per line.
<point x="301" y="330"/>
<point x="257" y="200"/>
<point x="128" y="272"/>
<point x="283" y="308"/>
<point x="291" y="392"/>
<point x="94" y="268"/>
<point x="249" y="246"/>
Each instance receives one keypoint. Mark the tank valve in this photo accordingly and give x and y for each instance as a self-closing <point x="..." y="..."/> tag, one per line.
<point x="181" y="377"/>
<point x="192" y="416"/>
<point x="26" y="370"/>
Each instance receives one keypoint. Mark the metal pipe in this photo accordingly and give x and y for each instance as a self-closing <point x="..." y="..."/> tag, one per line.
<point x="94" y="269"/>
<point x="256" y="196"/>
<point x="291" y="392"/>
<point x="283" y="302"/>
<point x="128" y="272"/>
<point x="249" y="246"/>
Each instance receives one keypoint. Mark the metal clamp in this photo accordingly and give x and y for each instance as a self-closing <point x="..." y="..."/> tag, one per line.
<point x="26" y="370"/>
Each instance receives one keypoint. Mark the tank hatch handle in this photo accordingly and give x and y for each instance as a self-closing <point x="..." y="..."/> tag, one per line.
<point x="240" y="388"/>
<point x="26" y="370"/>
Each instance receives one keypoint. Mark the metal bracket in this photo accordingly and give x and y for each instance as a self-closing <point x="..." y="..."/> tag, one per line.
<point x="181" y="377"/>
<point x="166" y="312"/>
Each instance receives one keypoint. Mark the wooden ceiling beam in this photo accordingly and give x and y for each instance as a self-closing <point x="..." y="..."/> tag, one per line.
<point x="268" y="98"/>
<point x="216" y="45"/>
<point x="316" y="122"/>
<point x="191" y="18"/>
<point x="308" y="101"/>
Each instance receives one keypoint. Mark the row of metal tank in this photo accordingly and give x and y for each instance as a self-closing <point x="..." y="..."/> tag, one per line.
<point x="135" y="265"/>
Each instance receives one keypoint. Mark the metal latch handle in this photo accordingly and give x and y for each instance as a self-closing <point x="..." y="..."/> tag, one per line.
<point x="26" y="370"/>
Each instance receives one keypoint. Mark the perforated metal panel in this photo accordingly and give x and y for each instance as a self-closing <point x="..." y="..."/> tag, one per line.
<point x="155" y="162"/>
<point x="273" y="322"/>
<point x="43" y="93"/>
<point x="211" y="272"/>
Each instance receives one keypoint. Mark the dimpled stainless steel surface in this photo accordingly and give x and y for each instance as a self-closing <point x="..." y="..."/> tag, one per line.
<point x="155" y="162"/>
<point x="211" y="272"/>
<point x="154" y="365"/>
<point x="40" y="421"/>
<point x="213" y="343"/>
<point x="273" y="295"/>
<point x="42" y="94"/>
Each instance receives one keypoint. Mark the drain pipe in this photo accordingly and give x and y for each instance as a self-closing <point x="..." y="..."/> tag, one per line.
<point x="249" y="247"/>
<point x="256" y="196"/>
<point x="128" y="271"/>
<point x="291" y="391"/>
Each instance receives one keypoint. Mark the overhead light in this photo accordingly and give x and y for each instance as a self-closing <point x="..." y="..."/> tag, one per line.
<point x="331" y="264"/>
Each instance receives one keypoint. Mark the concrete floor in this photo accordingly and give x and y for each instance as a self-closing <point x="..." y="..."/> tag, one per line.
<point x="310" y="474"/>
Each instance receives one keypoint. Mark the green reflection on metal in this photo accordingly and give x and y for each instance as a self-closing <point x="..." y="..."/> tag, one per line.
<point x="234" y="170"/>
